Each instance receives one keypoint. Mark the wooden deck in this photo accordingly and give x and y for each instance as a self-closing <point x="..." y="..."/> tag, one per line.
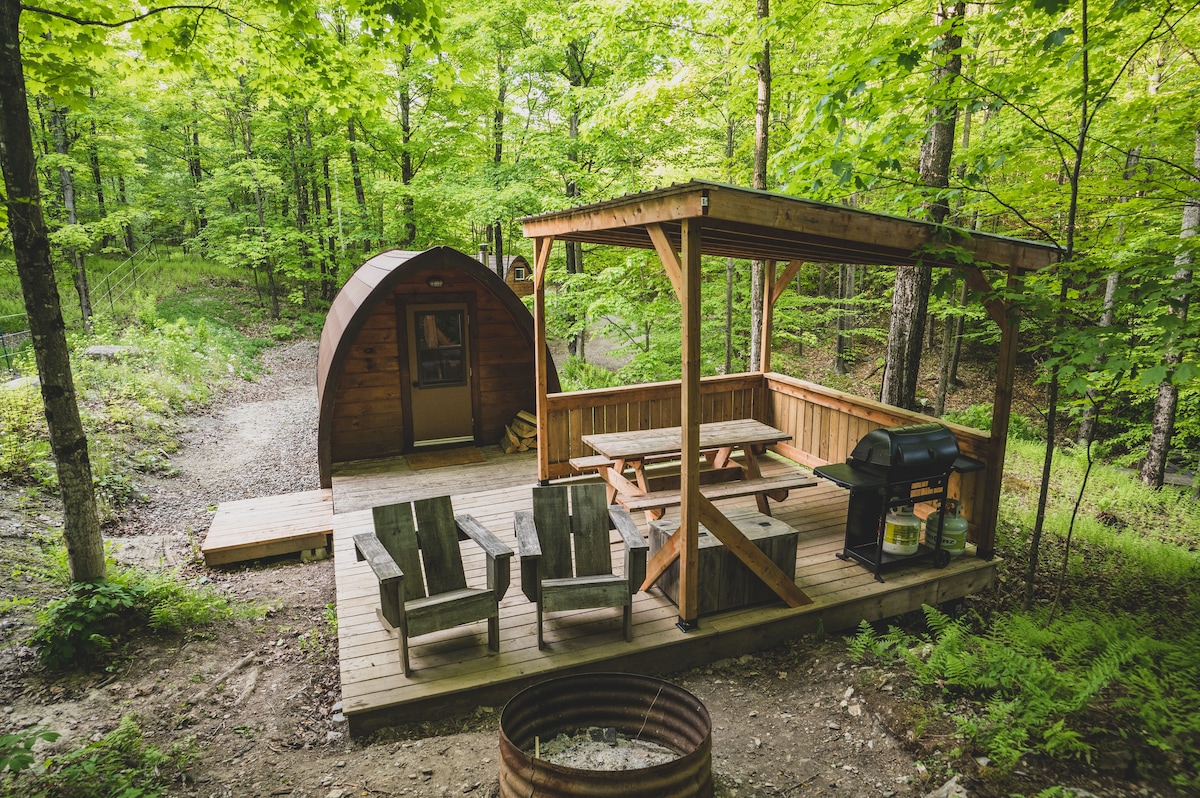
<point x="252" y="528"/>
<point x="454" y="670"/>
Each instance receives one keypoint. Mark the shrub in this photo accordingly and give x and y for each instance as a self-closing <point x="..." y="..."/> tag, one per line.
<point x="82" y="629"/>
<point x="980" y="417"/>
<point x="119" y="765"/>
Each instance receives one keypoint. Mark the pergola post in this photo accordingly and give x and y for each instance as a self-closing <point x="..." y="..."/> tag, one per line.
<point x="1006" y="368"/>
<point x="689" y="523"/>
<point x="768" y="317"/>
<point x="541" y="257"/>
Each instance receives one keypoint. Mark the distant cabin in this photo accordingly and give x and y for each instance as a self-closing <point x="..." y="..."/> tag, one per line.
<point x="518" y="274"/>
<point x="422" y="349"/>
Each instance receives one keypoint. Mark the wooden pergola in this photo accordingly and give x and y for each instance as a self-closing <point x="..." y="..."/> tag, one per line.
<point x="684" y="222"/>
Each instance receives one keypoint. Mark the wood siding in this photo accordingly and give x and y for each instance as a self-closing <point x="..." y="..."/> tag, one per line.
<point x="573" y="415"/>
<point x="825" y="424"/>
<point x="363" y="356"/>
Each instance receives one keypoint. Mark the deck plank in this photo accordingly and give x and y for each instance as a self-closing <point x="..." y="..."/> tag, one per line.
<point x="453" y="669"/>
<point x="249" y="529"/>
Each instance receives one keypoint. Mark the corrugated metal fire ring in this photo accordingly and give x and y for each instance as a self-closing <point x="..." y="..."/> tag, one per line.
<point x="635" y="705"/>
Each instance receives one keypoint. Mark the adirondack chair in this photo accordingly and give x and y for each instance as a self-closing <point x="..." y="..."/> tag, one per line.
<point x="550" y="578"/>
<point x="415" y="600"/>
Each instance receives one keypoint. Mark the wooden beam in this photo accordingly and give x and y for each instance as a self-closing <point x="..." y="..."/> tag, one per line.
<point x="541" y="257"/>
<point x="768" y="316"/>
<point x="753" y="557"/>
<point x="663" y="558"/>
<point x="668" y="256"/>
<point x="869" y="230"/>
<point x="993" y="476"/>
<point x="664" y="205"/>
<point x="785" y="279"/>
<point x="689" y="478"/>
<point x="977" y="281"/>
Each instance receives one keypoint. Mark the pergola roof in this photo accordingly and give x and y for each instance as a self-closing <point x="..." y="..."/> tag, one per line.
<point x="744" y="223"/>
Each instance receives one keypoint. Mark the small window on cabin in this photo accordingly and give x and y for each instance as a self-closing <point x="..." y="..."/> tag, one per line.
<point x="440" y="352"/>
<point x="518" y="272"/>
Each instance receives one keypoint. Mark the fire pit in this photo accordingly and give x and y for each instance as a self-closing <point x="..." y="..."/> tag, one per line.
<point x="606" y="708"/>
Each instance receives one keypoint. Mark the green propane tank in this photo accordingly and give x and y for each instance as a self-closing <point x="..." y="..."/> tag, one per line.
<point x="954" y="530"/>
<point x="901" y="531"/>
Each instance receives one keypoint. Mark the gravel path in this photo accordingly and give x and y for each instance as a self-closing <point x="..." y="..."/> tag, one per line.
<point x="259" y="439"/>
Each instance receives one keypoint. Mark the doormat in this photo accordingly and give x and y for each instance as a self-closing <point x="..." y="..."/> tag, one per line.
<point x="463" y="455"/>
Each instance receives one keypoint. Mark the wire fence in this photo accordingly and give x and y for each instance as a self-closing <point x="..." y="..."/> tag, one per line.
<point x="105" y="292"/>
<point x="11" y="343"/>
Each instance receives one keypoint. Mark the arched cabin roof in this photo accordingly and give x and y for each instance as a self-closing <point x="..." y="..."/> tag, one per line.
<point x="372" y="283"/>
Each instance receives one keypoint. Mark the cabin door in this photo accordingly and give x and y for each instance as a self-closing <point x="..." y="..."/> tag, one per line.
<point x="440" y="366"/>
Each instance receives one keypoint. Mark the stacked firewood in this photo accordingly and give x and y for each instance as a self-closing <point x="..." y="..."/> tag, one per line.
<point x="521" y="434"/>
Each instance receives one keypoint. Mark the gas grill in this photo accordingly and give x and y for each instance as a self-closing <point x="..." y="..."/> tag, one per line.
<point x="889" y="468"/>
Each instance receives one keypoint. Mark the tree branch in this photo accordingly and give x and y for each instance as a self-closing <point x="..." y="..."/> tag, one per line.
<point x="138" y="17"/>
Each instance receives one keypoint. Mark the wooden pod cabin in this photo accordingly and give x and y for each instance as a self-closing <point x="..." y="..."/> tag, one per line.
<point x="421" y="349"/>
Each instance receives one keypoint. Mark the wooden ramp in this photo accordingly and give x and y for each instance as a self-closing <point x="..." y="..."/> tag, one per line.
<point x="252" y="528"/>
<point x="453" y="670"/>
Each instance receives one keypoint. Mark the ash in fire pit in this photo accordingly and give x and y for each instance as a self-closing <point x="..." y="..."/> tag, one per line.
<point x="597" y="748"/>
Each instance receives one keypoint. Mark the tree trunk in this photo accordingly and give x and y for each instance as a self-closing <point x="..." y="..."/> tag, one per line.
<point x="127" y="228"/>
<point x="58" y="122"/>
<point x="360" y="194"/>
<point x="407" y="172"/>
<point x="762" y="120"/>
<point x="1166" y="403"/>
<point x="333" y="239"/>
<point x="577" y="77"/>
<point x="910" y="300"/>
<point x="31" y="246"/>
<point x="97" y="181"/>
<point x="498" y="154"/>
<point x="845" y="319"/>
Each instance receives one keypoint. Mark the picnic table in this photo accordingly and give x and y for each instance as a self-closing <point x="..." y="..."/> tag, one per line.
<point x="618" y="451"/>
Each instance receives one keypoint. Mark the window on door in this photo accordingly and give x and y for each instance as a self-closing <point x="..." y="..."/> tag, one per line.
<point x="440" y="348"/>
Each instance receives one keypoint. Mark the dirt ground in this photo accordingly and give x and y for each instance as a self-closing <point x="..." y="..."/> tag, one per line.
<point x="798" y="720"/>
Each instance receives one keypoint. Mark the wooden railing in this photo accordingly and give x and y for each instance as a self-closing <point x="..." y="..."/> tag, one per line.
<point x="824" y="424"/>
<point x="570" y="416"/>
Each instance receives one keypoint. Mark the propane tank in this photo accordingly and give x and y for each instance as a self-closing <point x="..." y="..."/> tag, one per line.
<point x="901" y="531"/>
<point x="954" y="529"/>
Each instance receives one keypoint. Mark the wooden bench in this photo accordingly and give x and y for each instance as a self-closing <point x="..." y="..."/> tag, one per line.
<point x="775" y="486"/>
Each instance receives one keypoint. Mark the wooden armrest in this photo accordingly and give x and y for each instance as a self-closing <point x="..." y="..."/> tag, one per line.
<point x="529" y="549"/>
<point x="368" y="547"/>
<point x="491" y="545"/>
<point x="499" y="556"/>
<point x="636" y="547"/>
<point x="528" y="544"/>
<point x="623" y="522"/>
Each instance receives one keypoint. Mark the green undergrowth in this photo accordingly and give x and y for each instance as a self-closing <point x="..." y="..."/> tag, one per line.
<point x="1107" y="663"/>
<point x="90" y="627"/>
<point x="1079" y="685"/>
<point x="121" y="764"/>
<point x="129" y="402"/>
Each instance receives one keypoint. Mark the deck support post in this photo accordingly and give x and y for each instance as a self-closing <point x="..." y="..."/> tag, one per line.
<point x="689" y="602"/>
<point x="541" y="257"/>
<point x="1006" y="367"/>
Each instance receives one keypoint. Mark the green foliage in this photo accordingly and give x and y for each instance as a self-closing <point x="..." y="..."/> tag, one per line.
<point x="24" y="439"/>
<point x="82" y="629"/>
<point x="119" y="765"/>
<point x="1032" y="683"/>
<point x="131" y="402"/>
<point x="578" y="375"/>
<point x="980" y="417"/>
<point x="16" y="750"/>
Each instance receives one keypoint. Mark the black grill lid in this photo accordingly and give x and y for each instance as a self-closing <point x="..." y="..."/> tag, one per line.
<point x="904" y="452"/>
